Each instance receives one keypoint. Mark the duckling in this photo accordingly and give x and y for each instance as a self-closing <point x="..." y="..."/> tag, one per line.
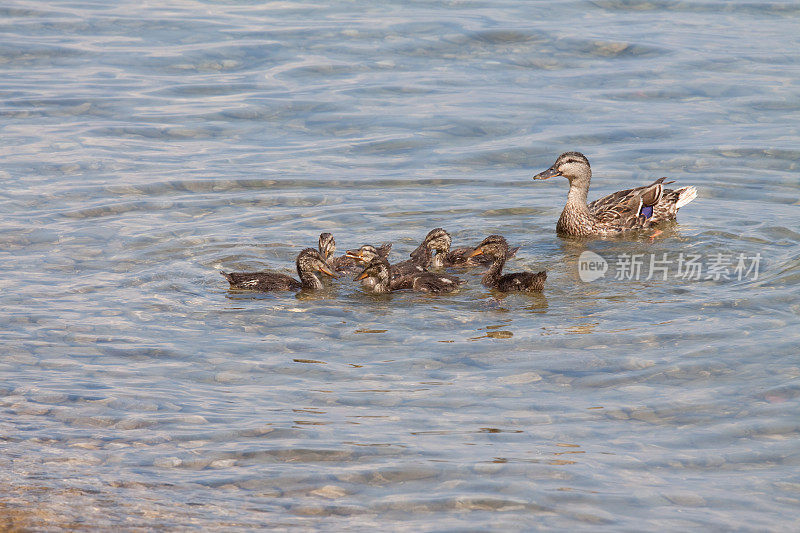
<point x="365" y="255"/>
<point x="637" y="208"/>
<point x="495" y="247"/>
<point x="437" y="240"/>
<point x="376" y="278"/>
<point x="345" y="263"/>
<point x="309" y="261"/>
<point x="440" y="242"/>
<point x="420" y="258"/>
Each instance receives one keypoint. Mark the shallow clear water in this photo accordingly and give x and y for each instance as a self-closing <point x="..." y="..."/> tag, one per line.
<point x="145" y="148"/>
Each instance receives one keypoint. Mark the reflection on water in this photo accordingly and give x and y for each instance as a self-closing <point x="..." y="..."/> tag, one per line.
<point x="147" y="148"/>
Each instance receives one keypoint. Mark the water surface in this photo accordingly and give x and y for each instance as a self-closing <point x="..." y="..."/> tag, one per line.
<point x="146" y="148"/>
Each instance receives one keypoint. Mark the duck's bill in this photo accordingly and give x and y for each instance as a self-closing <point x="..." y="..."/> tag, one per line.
<point x="476" y="251"/>
<point x="329" y="271"/>
<point x="549" y="173"/>
<point x="361" y="276"/>
<point x="357" y="256"/>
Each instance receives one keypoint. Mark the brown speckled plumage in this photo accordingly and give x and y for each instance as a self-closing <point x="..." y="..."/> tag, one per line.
<point x="460" y="257"/>
<point x="309" y="261"/>
<point x="366" y="254"/>
<point x="346" y="263"/>
<point x="438" y="240"/>
<point x="420" y="258"/>
<point x="495" y="248"/>
<point x="637" y="208"/>
<point x="376" y="278"/>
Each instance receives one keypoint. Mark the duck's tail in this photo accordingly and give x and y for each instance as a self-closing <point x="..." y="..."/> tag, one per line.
<point x="540" y="278"/>
<point x="685" y="195"/>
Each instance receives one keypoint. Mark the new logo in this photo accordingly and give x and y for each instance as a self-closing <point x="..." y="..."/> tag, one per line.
<point x="591" y="266"/>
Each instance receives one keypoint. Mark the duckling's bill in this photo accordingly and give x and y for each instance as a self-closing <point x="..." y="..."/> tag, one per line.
<point x="476" y="251"/>
<point x="361" y="276"/>
<point x="327" y="270"/>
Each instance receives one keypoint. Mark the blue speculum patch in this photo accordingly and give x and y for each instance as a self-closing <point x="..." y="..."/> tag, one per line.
<point x="647" y="211"/>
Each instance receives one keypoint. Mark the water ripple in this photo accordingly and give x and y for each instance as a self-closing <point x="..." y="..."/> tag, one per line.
<point x="146" y="148"/>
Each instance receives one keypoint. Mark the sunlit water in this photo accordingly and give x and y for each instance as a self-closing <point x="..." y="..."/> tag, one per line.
<point x="145" y="148"/>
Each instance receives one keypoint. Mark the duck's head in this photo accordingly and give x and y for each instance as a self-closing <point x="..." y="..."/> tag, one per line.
<point x="365" y="254"/>
<point x="438" y="240"/>
<point x="327" y="246"/>
<point x="571" y="165"/>
<point x="377" y="271"/>
<point x="310" y="260"/>
<point x="493" y="247"/>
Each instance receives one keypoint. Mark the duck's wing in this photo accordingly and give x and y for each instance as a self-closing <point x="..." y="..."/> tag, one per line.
<point x="384" y="249"/>
<point x="261" y="281"/>
<point x="405" y="268"/>
<point x="522" y="281"/>
<point x="628" y="208"/>
<point x="435" y="283"/>
<point x="402" y="282"/>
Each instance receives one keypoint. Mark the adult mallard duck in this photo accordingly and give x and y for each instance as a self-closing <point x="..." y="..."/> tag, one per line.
<point x="376" y="278"/>
<point x="309" y="261"/>
<point x="495" y="248"/>
<point x="637" y="208"/>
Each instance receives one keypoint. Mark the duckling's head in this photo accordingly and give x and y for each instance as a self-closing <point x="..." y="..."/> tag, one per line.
<point x="327" y="246"/>
<point x="438" y="240"/>
<point x="375" y="277"/>
<point x="572" y="165"/>
<point x="365" y="254"/>
<point x="493" y="247"/>
<point x="310" y="260"/>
